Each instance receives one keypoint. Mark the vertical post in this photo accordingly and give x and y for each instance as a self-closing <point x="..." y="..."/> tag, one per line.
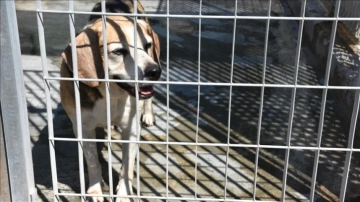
<point x="262" y="96"/>
<point x="13" y="106"/>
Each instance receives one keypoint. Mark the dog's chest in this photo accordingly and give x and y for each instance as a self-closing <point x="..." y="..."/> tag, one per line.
<point x="122" y="110"/>
<point x="119" y="109"/>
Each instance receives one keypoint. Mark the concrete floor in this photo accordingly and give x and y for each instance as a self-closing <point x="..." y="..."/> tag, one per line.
<point x="213" y="125"/>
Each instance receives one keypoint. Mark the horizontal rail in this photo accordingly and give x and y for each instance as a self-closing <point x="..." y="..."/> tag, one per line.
<point x="207" y="144"/>
<point x="163" y="197"/>
<point x="208" y="83"/>
<point x="203" y="16"/>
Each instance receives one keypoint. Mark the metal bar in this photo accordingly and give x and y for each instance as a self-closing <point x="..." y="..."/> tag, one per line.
<point x="323" y="101"/>
<point x="169" y="198"/>
<point x="261" y="100"/>
<point x="212" y="84"/>
<point x="77" y="99"/>
<point x="210" y="144"/>
<point x="167" y="96"/>
<point x="205" y="16"/>
<point x="230" y="102"/>
<point x="354" y="117"/>
<point x="137" y="102"/>
<point x="107" y="96"/>
<point x="40" y="22"/>
<point x="12" y="98"/>
<point x="293" y="99"/>
<point x="198" y="104"/>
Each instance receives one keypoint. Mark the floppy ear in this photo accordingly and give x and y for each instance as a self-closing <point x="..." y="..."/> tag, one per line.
<point x="155" y="49"/>
<point x="89" y="62"/>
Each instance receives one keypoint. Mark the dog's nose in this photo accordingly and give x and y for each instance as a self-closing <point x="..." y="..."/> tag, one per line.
<point x="153" y="72"/>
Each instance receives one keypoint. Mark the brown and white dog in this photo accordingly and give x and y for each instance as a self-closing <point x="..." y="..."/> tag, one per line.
<point x="121" y="65"/>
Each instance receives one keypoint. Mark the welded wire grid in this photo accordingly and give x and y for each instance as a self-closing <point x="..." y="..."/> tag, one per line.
<point x="231" y="84"/>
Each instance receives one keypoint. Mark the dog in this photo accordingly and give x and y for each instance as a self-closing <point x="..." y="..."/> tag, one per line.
<point x="121" y="66"/>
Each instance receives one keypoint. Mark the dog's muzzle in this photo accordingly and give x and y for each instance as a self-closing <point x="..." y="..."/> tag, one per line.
<point x="152" y="73"/>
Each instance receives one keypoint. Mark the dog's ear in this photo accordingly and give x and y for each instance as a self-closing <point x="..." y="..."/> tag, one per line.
<point x="155" y="49"/>
<point x="89" y="61"/>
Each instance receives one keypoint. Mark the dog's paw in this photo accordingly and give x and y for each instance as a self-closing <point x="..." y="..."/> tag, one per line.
<point x="148" y="119"/>
<point x="95" y="190"/>
<point x="121" y="190"/>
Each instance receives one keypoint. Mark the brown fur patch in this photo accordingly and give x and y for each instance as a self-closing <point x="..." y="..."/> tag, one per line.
<point x="88" y="95"/>
<point x="89" y="61"/>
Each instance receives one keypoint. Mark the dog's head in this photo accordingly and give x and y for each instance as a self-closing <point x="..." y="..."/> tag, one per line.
<point x="121" y="49"/>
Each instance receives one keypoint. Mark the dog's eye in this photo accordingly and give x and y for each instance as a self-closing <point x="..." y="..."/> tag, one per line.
<point x="119" y="51"/>
<point x="147" y="46"/>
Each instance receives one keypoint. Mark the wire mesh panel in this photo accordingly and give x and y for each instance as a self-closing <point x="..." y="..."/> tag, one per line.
<point x="249" y="106"/>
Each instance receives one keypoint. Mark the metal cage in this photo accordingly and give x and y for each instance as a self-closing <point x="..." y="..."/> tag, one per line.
<point x="245" y="128"/>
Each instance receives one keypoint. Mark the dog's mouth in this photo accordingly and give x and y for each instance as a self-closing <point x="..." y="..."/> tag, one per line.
<point x="144" y="91"/>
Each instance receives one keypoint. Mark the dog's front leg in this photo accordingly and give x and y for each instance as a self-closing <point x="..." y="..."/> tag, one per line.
<point x="148" y="118"/>
<point x="128" y="161"/>
<point x="93" y="166"/>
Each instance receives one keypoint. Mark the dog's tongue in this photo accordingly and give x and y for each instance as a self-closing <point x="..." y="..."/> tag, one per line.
<point x="147" y="90"/>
